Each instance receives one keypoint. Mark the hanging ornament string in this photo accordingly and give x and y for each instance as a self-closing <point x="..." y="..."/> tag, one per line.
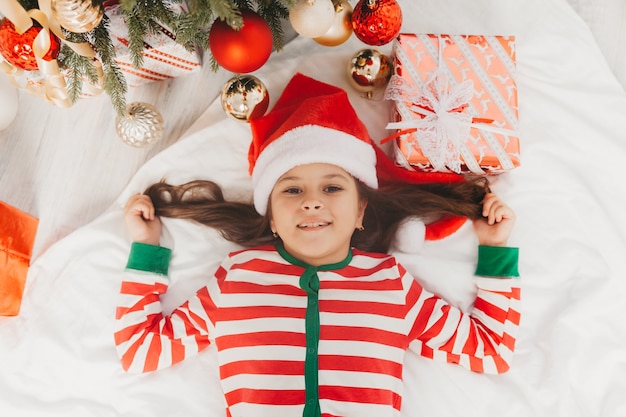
<point x="54" y="87"/>
<point x="444" y="126"/>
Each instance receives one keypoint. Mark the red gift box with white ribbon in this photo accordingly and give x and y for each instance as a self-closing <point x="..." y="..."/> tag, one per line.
<point x="455" y="103"/>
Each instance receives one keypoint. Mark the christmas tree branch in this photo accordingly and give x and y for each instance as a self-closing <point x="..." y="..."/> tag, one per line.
<point x="190" y="24"/>
<point x="114" y="82"/>
<point x="227" y="11"/>
<point x="274" y="12"/>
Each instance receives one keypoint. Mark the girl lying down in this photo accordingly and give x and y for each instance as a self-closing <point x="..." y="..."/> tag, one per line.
<point x="313" y="317"/>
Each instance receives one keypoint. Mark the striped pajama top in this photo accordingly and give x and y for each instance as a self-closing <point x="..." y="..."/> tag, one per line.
<point x="296" y="340"/>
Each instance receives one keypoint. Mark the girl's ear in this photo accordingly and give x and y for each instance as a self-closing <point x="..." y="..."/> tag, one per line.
<point x="361" y="214"/>
<point x="272" y="228"/>
<point x="269" y="216"/>
<point x="363" y="204"/>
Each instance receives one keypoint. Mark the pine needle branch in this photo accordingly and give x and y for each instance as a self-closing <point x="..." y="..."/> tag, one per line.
<point x="227" y="11"/>
<point x="274" y="12"/>
<point x="114" y="82"/>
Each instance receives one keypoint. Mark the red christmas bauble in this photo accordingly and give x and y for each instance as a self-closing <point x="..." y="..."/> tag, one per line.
<point x="17" y="48"/>
<point x="376" y="22"/>
<point x="244" y="50"/>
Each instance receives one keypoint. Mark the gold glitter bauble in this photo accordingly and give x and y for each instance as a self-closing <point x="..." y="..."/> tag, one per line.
<point x="245" y="97"/>
<point x="142" y="125"/>
<point x="78" y="16"/>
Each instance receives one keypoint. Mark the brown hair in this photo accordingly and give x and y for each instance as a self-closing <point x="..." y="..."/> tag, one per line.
<point x="203" y="202"/>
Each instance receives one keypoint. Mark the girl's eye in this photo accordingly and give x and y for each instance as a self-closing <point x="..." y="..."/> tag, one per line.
<point x="332" y="189"/>
<point x="292" y="190"/>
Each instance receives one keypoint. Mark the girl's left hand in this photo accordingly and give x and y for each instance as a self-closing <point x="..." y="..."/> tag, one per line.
<point x="495" y="227"/>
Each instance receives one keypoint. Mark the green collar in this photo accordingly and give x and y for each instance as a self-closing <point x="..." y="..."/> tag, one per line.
<point x="328" y="267"/>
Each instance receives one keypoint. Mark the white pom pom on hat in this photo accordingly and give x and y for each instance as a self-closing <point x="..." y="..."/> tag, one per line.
<point x="410" y="235"/>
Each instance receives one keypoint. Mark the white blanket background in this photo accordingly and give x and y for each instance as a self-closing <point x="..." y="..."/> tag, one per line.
<point x="57" y="358"/>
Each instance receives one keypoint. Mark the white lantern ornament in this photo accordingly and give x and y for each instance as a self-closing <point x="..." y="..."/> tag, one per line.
<point x="140" y="126"/>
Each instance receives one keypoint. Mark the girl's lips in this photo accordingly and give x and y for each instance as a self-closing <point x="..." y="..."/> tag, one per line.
<point x="312" y="224"/>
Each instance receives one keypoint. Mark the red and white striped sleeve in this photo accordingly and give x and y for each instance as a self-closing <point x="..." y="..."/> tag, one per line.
<point x="145" y="338"/>
<point x="484" y="339"/>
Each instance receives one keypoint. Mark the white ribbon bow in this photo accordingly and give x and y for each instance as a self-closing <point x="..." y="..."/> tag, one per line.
<point x="444" y="126"/>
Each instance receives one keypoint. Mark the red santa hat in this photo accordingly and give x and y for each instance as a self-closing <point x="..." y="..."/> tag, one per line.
<point x="314" y="122"/>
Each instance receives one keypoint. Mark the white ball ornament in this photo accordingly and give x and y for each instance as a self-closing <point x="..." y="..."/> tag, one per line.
<point x="312" y="18"/>
<point x="341" y="29"/>
<point x="9" y="102"/>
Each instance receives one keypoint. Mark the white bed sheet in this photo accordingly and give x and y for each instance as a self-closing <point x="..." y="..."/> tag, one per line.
<point x="57" y="358"/>
<point x="607" y="21"/>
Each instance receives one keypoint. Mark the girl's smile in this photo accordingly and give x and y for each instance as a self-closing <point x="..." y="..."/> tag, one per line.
<point x="313" y="225"/>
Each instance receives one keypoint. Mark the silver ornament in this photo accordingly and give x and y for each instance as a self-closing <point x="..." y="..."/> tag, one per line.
<point x="142" y="125"/>
<point x="244" y="97"/>
<point x="369" y="70"/>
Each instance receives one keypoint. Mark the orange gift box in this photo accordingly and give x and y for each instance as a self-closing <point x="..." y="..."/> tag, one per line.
<point x="17" y="235"/>
<point x="455" y="103"/>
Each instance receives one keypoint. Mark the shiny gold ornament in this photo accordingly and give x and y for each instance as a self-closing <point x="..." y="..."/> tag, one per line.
<point x="369" y="70"/>
<point x="142" y="125"/>
<point x="341" y="28"/>
<point x="78" y="16"/>
<point x="245" y="97"/>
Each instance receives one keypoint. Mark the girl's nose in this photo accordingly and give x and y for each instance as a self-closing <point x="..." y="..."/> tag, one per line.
<point x="312" y="203"/>
<point x="312" y="206"/>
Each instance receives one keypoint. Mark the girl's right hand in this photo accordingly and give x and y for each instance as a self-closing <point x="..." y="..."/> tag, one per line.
<point x="141" y="222"/>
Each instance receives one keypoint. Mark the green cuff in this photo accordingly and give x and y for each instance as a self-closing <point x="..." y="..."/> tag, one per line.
<point x="497" y="261"/>
<point x="149" y="258"/>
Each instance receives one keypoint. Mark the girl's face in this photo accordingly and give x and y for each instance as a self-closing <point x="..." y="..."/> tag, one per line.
<point x="315" y="208"/>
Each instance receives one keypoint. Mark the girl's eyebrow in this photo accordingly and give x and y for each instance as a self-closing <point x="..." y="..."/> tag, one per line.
<point x="292" y="178"/>
<point x="326" y="177"/>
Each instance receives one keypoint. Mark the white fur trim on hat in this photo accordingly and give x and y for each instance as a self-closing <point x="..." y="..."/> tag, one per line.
<point x="306" y="145"/>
